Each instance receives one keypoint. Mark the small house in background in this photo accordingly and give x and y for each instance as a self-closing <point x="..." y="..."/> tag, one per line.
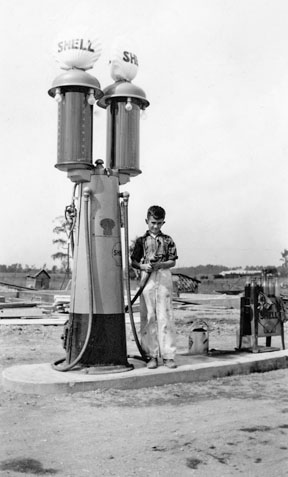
<point x="184" y="284"/>
<point x="39" y="281"/>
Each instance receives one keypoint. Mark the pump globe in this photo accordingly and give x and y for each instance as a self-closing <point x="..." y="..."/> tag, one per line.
<point x="77" y="47"/>
<point x="123" y="61"/>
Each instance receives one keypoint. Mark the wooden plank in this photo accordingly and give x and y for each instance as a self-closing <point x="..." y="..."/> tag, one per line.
<point x="18" y="305"/>
<point x="20" y="312"/>
<point x="34" y="321"/>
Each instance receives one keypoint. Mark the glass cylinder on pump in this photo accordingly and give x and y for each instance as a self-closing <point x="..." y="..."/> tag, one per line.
<point x="123" y="154"/>
<point x="123" y="102"/>
<point x="75" y="92"/>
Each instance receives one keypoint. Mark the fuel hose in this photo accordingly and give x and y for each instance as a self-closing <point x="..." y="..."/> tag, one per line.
<point x="125" y="196"/>
<point x="70" y="217"/>
<point x="68" y="367"/>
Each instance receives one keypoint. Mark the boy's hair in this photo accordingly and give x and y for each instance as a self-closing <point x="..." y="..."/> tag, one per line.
<point x="156" y="211"/>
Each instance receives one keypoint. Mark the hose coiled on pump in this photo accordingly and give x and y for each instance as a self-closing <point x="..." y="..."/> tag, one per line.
<point x="70" y="218"/>
<point x="125" y="196"/>
<point x="68" y="367"/>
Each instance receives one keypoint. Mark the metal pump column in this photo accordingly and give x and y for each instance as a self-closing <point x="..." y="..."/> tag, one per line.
<point x="107" y="345"/>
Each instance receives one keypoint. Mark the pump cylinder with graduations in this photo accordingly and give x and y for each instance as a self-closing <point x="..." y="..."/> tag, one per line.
<point x="123" y="102"/>
<point x="75" y="92"/>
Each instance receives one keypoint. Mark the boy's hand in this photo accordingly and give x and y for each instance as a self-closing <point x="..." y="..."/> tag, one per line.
<point x="146" y="267"/>
<point x="156" y="266"/>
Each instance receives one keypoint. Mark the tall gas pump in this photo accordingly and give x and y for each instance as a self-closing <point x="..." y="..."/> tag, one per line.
<point x="95" y="335"/>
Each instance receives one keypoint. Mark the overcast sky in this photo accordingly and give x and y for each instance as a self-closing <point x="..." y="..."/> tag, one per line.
<point x="214" y="144"/>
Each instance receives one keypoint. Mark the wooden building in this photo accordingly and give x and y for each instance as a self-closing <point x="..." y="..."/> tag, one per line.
<point x="184" y="284"/>
<point x="39" y="281"/>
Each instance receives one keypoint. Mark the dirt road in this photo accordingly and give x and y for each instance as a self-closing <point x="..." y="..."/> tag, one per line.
<point x="226" y="427"/>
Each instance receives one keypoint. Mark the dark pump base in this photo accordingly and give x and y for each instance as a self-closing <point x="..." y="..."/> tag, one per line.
<point x="106" y="348"/>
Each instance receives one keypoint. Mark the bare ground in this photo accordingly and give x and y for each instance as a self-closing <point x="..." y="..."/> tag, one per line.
<point x="225" y="427"/>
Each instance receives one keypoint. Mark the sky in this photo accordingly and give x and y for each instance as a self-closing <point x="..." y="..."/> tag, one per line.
<point x="213" y="145"/>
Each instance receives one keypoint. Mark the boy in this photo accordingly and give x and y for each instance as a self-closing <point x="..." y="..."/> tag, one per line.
<point x="155" y="253"/>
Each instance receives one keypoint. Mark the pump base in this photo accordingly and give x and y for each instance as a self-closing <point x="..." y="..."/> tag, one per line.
<point x="107" y="344"/>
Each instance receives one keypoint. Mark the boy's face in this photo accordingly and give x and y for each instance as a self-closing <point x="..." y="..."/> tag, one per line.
<point x="154" y="225"/>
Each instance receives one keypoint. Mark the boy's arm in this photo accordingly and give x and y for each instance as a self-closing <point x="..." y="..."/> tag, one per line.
<point x="136" y="257"/>
<point x="164" y="265"/>
<point x="145" y="267"/>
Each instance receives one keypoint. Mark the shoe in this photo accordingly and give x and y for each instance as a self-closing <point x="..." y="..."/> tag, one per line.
<point x="169" y="363"/>
<point x="153" y="363"/>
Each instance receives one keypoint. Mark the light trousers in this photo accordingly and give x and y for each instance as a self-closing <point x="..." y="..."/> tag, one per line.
<point x="157" y="329"/>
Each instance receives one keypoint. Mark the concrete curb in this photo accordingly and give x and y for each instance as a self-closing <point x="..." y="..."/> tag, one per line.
<point x="43" y="379"/>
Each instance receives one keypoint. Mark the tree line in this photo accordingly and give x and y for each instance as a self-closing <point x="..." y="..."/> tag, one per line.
<point x="19" y="268"/>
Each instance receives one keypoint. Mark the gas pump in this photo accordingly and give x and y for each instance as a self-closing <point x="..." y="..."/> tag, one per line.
<point x="95" y="335"/>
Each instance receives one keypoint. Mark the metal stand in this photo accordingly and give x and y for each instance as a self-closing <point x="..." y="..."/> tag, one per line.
<point x="254" y="325"/>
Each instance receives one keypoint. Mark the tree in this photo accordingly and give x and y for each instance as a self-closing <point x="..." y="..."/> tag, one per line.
<point x="15" y="267"/>
<point x="284" y="258"/>
<point x="54" y="269"/>
<point x="62" y="242"/>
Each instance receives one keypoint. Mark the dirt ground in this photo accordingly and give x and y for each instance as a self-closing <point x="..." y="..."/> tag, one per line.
<point x="226" y="427"/>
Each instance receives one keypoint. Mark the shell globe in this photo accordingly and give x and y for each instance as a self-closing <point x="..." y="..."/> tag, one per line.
<point x="123" y="61"/>
<point x="77" y="47"/>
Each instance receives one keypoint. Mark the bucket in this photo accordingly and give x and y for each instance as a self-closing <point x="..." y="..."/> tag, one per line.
<point x="198" y="340"/>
